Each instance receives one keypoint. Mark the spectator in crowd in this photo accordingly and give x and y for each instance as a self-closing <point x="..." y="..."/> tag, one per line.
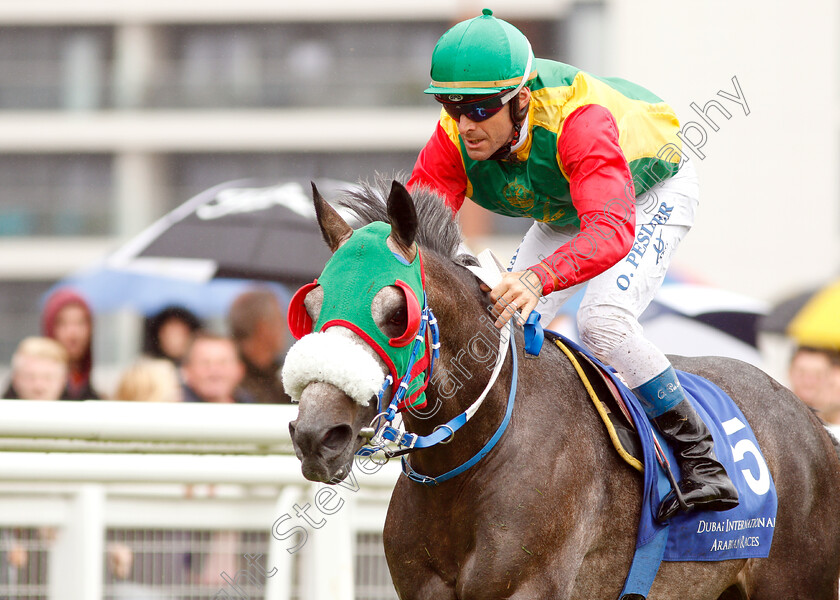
<point x="67" y="319"/>
<point x="808" y="374"/>
<point x="120" y="560"/>
<point x="831" y="401"/>
<point x="23" y="557"/>
<point x="223" y="555"/>
<point x="39" y="370"/>
<point x="149" y="380"/>
<point x="212" y="371"/>
<point x="258" y="326"/>
<point x="120" y="564"/>
<point x="168" y="333"/>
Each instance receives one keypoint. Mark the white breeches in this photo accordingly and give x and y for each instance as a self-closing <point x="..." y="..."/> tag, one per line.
<point x="608" y="315"/>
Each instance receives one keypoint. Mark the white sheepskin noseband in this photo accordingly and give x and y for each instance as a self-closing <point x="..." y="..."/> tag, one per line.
<point x="329" y="357"/>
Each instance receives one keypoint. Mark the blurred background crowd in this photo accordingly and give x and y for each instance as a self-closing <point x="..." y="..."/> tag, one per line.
<point x="181" y="360"/>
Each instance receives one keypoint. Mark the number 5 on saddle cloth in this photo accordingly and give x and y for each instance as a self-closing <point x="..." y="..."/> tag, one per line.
<point x="742" y="532"/>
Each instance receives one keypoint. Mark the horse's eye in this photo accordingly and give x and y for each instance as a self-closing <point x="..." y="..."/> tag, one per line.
<point x="397" y="314"/>
<point x="398" y="321"/>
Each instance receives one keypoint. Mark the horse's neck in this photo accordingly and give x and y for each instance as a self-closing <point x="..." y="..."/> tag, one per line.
<point x="549" y="393"/>
<point x="460" y="376"/>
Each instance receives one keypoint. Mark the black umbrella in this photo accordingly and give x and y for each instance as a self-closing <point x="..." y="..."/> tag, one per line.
<point x="810" y="318"/>
<point x="238" y="229"/>
<point x="780" y="315"/>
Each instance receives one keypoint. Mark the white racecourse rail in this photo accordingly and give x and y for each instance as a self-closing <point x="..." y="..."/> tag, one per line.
<point x="85" y="470"/>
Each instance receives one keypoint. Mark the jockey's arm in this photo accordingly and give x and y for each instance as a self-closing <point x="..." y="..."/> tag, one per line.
<point x="603" y="194"/>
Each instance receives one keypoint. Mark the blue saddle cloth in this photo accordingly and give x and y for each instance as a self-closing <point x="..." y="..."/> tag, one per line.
<point x="742" y="532"/>
<point x="746" y="531"/>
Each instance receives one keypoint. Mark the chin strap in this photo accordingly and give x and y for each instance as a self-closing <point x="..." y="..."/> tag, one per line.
<point x="503" y="153"/>
<point x="518" y="115"/>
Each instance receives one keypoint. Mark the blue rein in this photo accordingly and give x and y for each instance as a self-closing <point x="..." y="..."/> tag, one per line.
<point x="408" y="442"/>
<point x="454" y="425"/>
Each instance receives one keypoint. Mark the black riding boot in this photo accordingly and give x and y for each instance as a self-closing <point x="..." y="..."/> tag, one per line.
<point x="704" y="484"/>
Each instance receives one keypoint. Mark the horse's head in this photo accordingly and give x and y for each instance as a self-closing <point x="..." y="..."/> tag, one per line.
<point x="356" y="325"/>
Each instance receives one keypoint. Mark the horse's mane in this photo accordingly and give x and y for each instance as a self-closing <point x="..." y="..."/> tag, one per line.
<point x="438" y="230"/>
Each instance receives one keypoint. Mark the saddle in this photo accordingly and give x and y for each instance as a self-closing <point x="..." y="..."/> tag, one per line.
<point x="608" y="402"/>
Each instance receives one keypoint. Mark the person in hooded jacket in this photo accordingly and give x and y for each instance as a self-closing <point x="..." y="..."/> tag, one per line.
<point x="67" y="319"/>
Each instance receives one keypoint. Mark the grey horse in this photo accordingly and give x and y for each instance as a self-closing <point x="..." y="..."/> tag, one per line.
<point x="551" y="512"/>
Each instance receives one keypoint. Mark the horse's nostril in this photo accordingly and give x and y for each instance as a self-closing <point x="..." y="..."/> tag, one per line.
<point x="337" y="437"/>
<point x="292" y="426"/>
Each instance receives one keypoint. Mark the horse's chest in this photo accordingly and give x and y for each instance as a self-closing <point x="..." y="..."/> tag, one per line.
<point x="472" y="552"/>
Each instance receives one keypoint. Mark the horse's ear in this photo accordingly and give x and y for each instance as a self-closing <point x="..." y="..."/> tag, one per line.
<point x="335" y="230"/>
<point x="403" y="218"/>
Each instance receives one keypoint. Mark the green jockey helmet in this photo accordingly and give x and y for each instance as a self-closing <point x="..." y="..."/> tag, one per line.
<point x="483" y="55"/>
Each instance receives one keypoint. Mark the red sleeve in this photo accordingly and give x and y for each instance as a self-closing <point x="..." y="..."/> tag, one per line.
<point x="602" y="192"/>
<point x="439" y="167"/>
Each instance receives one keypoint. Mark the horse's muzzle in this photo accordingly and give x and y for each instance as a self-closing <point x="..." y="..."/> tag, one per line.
<point x="325" y="453"/>
<point x="326" y="432"/>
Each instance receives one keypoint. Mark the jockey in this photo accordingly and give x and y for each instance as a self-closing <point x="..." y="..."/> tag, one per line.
<point x="596" y="162"/>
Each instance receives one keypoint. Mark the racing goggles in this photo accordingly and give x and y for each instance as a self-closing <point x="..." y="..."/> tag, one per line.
<point x="475" y="110"/>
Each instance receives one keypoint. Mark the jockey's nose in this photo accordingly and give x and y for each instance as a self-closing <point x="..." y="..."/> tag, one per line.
<point x="465" y="124"/>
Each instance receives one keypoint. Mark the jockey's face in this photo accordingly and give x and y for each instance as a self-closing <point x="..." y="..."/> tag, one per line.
<point x="483" y="138"/>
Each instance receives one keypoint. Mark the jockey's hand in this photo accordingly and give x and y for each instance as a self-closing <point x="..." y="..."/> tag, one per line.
<point x="520" y="290"/>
